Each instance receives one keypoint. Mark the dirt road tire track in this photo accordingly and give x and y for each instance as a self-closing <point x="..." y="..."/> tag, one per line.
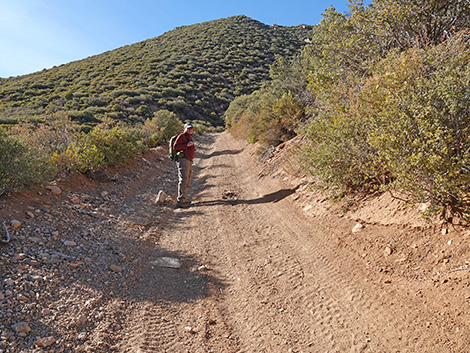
<point x="273" y="280"/>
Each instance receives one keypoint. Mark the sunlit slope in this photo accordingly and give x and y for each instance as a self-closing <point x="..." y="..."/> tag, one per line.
<point x="194" y="71"/>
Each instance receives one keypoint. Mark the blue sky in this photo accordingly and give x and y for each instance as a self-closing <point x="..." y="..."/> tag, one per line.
<point x="39" y="34"/>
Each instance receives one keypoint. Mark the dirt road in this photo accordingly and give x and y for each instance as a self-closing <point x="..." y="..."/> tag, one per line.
<point x="259" y="271"/>
<point x="259" y="276"/>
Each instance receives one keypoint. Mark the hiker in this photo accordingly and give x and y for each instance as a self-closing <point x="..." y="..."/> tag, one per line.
<point x="185" y="148"/>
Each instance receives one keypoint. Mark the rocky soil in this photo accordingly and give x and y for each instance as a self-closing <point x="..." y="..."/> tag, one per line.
<point x="258" y="263"/>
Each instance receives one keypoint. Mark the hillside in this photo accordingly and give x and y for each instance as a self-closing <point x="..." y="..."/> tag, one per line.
<point x="194" y="71"/>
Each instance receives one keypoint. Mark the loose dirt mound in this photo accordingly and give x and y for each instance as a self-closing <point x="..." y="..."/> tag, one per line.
<point x="258" y="263"/>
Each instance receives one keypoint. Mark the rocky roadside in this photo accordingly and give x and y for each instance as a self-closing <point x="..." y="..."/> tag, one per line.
<point x="65" y="274"/>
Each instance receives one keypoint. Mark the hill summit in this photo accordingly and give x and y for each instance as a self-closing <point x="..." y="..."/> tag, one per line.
<point x="194" y="71"/>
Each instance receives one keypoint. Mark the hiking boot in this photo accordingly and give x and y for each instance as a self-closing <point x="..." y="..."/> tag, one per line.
<point x="182" y="204"/>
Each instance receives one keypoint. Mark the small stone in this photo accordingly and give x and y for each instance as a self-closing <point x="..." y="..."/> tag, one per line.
<point x="81" y="320"/>
<point x="45" y="342"/>
<point x="75" y="264"/>
<point x="307" y="208"/>
<point x="22" y="297"/>
<point x="104" y="193"/>
<point x="82" y="336"/>
<point x="21" y="327"/>
<point x="116" y="268"/>
<point x="15" y="224"/>
<point x="55" y="189"/>
<point x="161" y="198"/>
<point x="30" y="214"/>
<point x="75" y="200"/>
<point x="2" y="296"/>
<point x="46" y="312"/>
<point x="357" y="228"/>
<point x="6" y="335"/>
<point x="55" y="258"/>
<point x="69" y="243"/>
<point x="388" y="251"/>
<point x="189" y="329"/>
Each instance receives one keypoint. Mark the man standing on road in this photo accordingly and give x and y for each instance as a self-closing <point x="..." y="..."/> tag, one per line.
<point x="185" y="148"/>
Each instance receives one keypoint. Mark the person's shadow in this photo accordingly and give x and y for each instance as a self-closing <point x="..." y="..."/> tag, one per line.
<point x="272" y="197"/>
<point x="233" y="200"/>
<point x="219" y="153"/>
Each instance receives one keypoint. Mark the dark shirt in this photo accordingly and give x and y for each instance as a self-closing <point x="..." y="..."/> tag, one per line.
<point x="181" y="144"/>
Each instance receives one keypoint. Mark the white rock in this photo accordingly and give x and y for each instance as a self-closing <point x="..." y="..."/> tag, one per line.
<point x="55" y="189"/>
<point x="189" y="329"/>
<point x="308" y="208"/>
<point x="357" y="228"/>
<point x="161" y="197"/>
<point x="167" y="262"/>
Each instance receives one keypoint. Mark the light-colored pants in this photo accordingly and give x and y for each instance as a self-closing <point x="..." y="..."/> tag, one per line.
<point x="185" y="171"/>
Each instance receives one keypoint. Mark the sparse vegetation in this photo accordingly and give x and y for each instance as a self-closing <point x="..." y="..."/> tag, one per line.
<point x="193" y="71"/>
<point x="104" y="109"/>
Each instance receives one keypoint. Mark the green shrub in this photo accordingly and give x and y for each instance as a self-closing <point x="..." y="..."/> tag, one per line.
<point x="167" y="124"/>
<point x="200" y="127"/>
<point x="117" y="144"/>
<point x="20" y="166"/>
<point x="418" y="104"/>
<point x="79" y="157"/>
<point x="339" y="154"/>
